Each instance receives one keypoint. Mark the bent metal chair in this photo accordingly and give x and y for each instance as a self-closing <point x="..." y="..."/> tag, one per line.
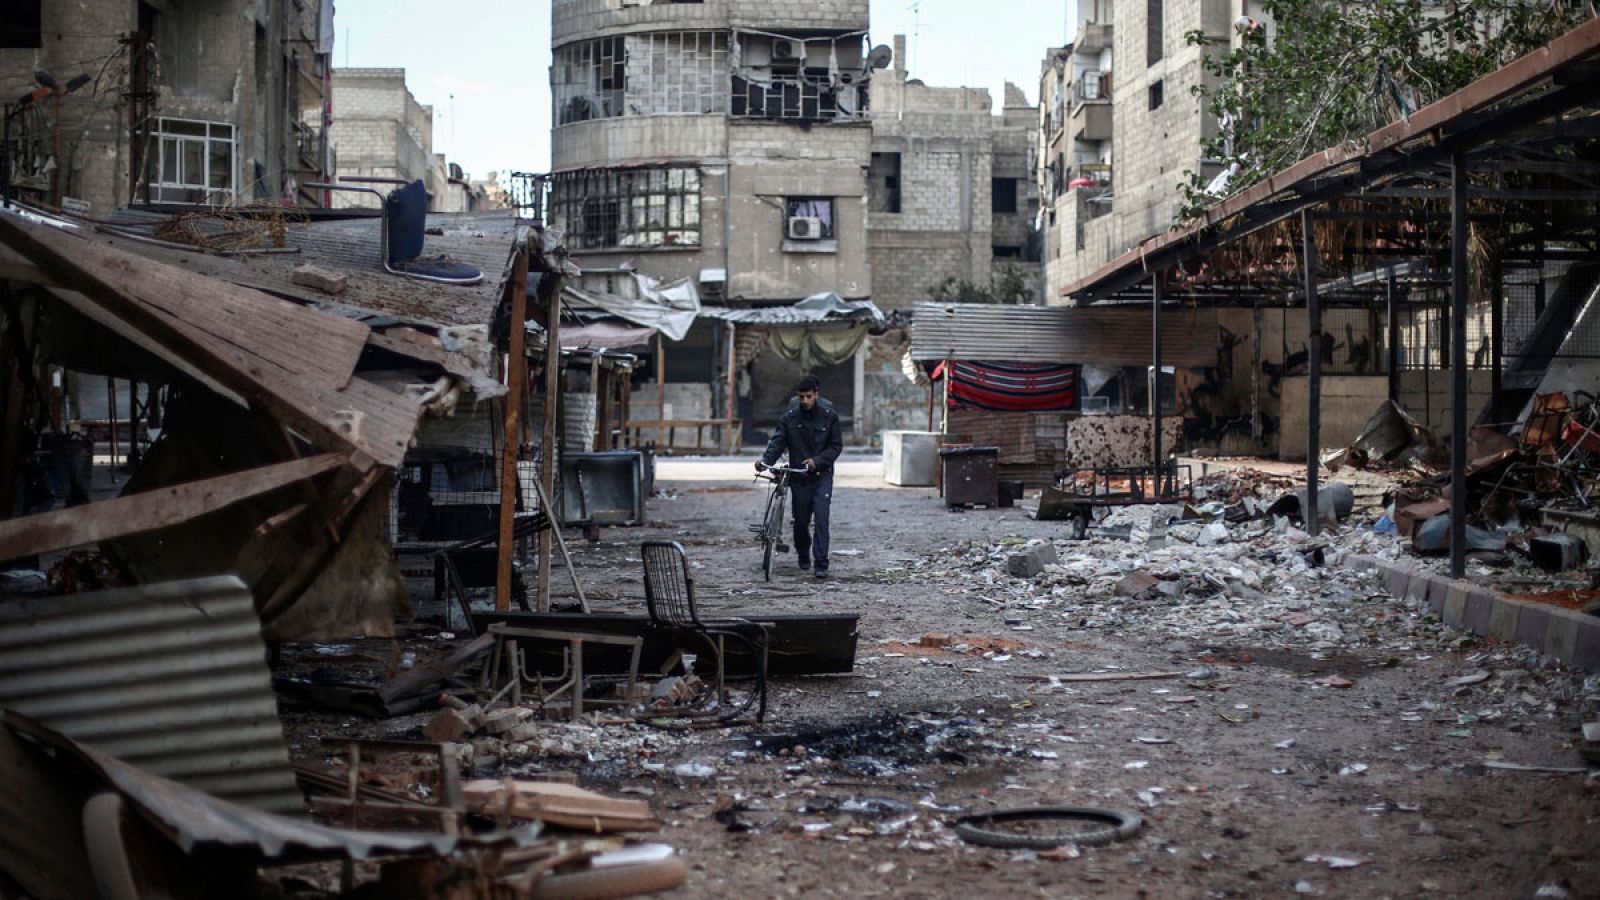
<point x="402" y="226"/>
<point x="669" y="597"/>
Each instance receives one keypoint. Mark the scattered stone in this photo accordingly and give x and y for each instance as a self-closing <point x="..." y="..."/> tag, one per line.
<point x="1031" y="561"/>
<point x="326" y="281"/>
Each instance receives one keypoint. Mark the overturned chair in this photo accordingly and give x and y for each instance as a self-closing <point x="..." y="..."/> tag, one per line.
<point x="403" y="225"/>
<point x="669" y="597"/>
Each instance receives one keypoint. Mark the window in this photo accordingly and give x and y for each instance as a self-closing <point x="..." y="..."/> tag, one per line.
<point x="812" y="79"/>
<point x="191" y="162"/>
<point x="808" y="219"/>
<point x="668" y="72"/>
<point x="1157" y="95"/>
<point x="1155" y="32"/>
<point x="21" y="24"/>
<point x="884" y="183"/>
<point x="1003" y="195"/>
<point x="645" y="207"/>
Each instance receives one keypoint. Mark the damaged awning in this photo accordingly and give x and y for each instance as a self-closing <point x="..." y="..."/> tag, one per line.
<point x="288" y="425"/>
<point x="667" y="307"/>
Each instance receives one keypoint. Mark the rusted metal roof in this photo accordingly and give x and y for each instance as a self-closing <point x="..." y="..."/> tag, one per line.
<point x="350" y="247"/>
<point x="1479" y="112"/>
<point x="1109" y="336"/>
<point x="171" y="678"/>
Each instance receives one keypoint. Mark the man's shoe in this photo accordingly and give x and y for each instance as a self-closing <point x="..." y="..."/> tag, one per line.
<point x="822" y="573"/>
<point x="805" y="564"/>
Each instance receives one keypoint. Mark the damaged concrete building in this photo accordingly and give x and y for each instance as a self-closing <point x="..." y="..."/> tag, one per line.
<point x="381" y="131"/>
<point x="951" y="190"/>
<point x="720" y="145"/>
<point x="118" y="107"/>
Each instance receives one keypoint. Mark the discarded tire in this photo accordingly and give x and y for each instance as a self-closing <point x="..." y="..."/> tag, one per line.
<point x="1115" y="825"/>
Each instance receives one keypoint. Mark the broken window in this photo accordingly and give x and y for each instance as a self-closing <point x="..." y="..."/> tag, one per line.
<point x="191" y="162"/>
<point x="800" y="79"/>
<point x="808" y="219"/>
<point x="677" y="72"/>
<point x="1003" y="195"/>
<point x="644" y="207"/>
<point x="668" y="72"/>
<point x="884" y="183"/>
<point x="587" y="80"/>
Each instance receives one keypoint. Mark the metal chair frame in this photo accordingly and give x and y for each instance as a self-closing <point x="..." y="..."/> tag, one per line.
<point x="669" y="599"/>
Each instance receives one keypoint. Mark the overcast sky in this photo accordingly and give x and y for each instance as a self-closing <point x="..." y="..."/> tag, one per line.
<point x="484" y="65"/>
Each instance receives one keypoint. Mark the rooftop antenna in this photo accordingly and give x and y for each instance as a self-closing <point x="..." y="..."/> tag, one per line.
<point x="916" y="30"/>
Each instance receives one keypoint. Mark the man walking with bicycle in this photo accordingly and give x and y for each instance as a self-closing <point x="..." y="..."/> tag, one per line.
<point x="809" y="431"/>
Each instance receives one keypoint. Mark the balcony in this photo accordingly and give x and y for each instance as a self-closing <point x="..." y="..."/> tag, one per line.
<point x="1095" y="37"/>
<point x="1091" y="107"/>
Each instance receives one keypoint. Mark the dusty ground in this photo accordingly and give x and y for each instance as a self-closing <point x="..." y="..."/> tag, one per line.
<point x="1249" y="776"/>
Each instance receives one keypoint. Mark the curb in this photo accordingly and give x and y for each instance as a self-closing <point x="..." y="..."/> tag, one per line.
<point x="1568" y="635"/>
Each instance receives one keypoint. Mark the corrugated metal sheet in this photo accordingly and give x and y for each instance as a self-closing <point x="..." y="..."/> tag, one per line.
<point x="171" y="678"/>
<point x="198" y="820"/>
<point x="1105" y="336"/>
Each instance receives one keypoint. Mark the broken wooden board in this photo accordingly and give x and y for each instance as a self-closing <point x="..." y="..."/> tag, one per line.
<point x="558" y="804"/>
<point x="151" y="510"/>
<point x="294" y="362"/>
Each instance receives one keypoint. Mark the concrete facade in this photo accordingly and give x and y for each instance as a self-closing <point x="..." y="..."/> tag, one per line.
<point x="257" y="90"/>
<point x="731" y="233"/>
<point x="381" y="131"/>
<point x="1156" y="128"/>
<point x="938" y="156"/>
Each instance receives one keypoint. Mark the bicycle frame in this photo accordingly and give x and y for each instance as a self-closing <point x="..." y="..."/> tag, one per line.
<point x="769" y="531"/>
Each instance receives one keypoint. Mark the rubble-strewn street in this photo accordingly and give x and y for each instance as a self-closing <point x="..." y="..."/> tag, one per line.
<point x="1307" y="733"/>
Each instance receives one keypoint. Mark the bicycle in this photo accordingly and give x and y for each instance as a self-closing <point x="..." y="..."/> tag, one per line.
<point x="769" y="531"/>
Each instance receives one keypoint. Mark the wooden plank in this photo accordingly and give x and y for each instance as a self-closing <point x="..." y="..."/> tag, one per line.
<point x="245" y="350"/>
<point x="516" y="378"/>
<point x="551" y="289"/>
<point x="152" y="510"/>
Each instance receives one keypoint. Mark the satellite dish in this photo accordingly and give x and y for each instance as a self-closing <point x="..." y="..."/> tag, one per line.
<point x="881" y="57"/>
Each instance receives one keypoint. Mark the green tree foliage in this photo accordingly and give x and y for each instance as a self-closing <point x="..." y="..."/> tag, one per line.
<point x="1336" y="71"/>
<point x="1010" y="285"/>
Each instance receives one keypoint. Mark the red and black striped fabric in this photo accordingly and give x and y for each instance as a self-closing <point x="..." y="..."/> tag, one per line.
<point x="1011" y="387"/>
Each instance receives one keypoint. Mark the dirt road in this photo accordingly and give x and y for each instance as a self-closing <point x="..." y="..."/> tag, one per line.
<point x="1329" y="742"/>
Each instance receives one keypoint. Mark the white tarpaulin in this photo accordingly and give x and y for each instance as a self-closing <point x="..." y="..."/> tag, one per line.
<point x="669" y="307"/>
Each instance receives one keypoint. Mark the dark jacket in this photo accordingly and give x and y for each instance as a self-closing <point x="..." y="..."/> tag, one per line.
<point x="813" y="435"/>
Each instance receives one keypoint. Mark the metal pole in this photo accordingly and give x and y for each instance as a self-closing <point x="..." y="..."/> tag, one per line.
<point x="516" y="378"/>
<point x="1497" y="318"/>
<point x="1309" y="515"/>
<point x="1458" y="365"/>
<point x="1393" y="337"/>
<point x="661" y="391"/>
<point x="1155" y="381"/>
<point x="735" y="433"/>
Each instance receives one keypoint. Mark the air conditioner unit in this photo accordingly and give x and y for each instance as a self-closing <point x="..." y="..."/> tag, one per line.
<point x="787" y="51"/>
<point x="805" y="228"/>
<point x="1096" y="406"/>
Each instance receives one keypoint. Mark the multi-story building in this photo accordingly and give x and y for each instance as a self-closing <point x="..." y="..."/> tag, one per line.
<point x="722" y="142"/>
<point x="221" y="102"/>
<point x="950" y="188"/>
<point x="1115" y="150"/>
<point x="381" y="131"/>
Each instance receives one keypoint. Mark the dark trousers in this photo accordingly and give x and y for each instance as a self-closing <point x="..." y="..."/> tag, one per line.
<point x="812" y="501"/>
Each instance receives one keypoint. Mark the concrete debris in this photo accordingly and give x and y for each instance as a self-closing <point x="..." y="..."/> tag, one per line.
<point x="1032" y="561"/>
<point x="324" y="280"/>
